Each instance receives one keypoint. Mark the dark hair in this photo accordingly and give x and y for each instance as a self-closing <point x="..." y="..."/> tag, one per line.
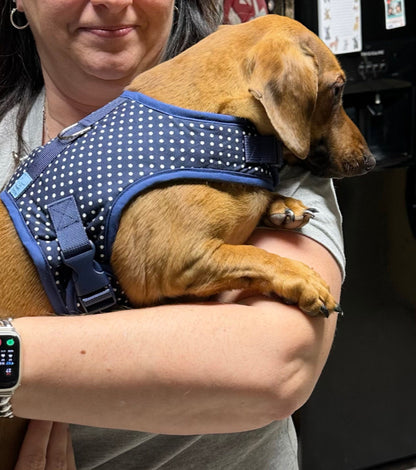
<point x="21" y="77"/>
<point x="194" y="19"/>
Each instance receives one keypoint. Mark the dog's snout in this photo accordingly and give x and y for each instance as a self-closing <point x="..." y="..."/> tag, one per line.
<point x="358" y="166"/>
<point x="369" y="162"/>
<point x="322" y="162"/>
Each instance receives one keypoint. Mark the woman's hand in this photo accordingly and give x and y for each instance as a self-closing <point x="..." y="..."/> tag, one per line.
<point x="47" y="446"/>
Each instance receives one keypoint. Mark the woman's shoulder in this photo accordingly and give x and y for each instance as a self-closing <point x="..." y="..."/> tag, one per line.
<point x="32" y="135"/>
<point x="8" y="146"/>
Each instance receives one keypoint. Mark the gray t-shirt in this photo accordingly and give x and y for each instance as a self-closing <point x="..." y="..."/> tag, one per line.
<point x="273" y="447"/>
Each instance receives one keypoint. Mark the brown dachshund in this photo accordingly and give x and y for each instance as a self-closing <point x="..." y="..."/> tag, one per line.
<point x="188" y="239"/>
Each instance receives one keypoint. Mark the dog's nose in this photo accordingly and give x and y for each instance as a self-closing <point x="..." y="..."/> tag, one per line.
<point x="358" y="166"/>
<point x="369" y="162"/>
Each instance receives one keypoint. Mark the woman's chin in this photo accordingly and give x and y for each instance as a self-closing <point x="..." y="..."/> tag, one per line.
<point x="114" y="74"/>
<point x="112" y="68"/>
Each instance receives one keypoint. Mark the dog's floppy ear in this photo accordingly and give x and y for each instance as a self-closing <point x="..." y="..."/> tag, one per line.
<point x="284" y="78"/>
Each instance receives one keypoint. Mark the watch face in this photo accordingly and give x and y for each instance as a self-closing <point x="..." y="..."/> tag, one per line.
<point x="9" y="361"/>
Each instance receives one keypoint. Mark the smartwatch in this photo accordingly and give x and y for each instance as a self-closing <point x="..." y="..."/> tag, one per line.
<point x="9" y="366"/>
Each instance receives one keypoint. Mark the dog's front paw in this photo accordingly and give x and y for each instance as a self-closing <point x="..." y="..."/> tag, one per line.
<point x="301" y="285"/>
<point x="288" y="213"/>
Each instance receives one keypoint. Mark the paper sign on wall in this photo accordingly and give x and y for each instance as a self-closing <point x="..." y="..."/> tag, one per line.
<point x="340" y="25"/>
<point x="395" y="14"/>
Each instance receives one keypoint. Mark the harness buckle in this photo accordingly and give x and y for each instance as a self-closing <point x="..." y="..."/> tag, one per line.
<point x="98" y="301"/>
<point x="93" y="289"/>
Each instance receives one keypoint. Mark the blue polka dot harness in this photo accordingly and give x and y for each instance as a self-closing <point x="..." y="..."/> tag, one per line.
<point x="67" y="198"/>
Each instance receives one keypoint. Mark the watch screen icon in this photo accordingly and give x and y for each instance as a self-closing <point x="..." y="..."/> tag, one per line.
<point x="10" y="342"/>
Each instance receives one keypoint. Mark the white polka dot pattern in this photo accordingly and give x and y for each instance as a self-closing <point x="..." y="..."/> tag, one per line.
<point x="132" y="147"/>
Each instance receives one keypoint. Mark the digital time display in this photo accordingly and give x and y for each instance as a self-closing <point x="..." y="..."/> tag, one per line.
<point x="9" y="361"/>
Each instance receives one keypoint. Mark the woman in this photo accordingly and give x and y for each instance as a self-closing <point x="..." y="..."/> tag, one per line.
<point x="179" y="386"/>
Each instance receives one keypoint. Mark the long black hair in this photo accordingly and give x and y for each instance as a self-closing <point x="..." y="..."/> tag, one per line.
<point x="21" y="77"/>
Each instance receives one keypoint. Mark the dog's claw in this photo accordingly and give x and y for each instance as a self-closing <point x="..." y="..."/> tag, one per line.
<point x="324" y="311"/>
<point x="339" y="310"/>
<point x="310" y="212"/>
<point x="307" y="215"/>
<point x="289" y="216"/>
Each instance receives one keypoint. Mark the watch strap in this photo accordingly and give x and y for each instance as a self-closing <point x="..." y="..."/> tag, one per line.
<point x="6" y="324"/>
<point x="6" y="410"/>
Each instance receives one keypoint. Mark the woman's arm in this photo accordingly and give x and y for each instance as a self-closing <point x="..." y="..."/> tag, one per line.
<point x="180" y="369"/>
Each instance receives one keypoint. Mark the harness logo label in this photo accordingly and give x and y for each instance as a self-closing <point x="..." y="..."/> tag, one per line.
<point x="20" y="185"/>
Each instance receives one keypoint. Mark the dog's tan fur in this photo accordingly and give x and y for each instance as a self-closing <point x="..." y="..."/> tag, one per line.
<point x="189" y="239"/>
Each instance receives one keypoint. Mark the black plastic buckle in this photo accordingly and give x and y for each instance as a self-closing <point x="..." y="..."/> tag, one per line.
<point x="98" y="301"/>
<point x="92" y="286"/>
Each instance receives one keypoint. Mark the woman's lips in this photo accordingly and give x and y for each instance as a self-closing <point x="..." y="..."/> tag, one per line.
<point x="110" y="32"/>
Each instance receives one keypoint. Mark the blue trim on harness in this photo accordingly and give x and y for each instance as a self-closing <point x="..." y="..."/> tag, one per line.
<point x="37" y="255"/>
<point x="70" y="246"/>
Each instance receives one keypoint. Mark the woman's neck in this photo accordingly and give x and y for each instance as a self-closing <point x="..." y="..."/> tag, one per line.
<point x="65" y="107"/>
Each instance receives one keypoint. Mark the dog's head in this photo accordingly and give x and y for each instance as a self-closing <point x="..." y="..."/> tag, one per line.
<point x="300" y="83"/>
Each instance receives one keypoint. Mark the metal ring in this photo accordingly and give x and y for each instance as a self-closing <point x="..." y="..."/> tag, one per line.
<point x="76" y="134"/>
<point x="12" y="21"/>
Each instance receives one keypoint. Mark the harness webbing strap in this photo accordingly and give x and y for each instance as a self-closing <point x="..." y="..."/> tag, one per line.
<point x="56" y="146"/>
<point x="93" y="288"/>
<point x="264" y="150"/>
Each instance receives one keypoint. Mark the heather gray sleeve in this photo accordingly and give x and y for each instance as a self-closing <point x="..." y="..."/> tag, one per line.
<point x="319" y="193"/>
<point x="32" y="135"/>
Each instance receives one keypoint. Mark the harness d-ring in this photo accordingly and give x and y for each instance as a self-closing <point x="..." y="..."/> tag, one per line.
<point x="75" y="134"/>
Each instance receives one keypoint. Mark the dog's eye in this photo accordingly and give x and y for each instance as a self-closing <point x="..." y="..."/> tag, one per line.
<point x="337" y="90"/>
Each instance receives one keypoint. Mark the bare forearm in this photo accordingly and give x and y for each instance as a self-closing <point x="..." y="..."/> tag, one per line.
<point x="180" y="369"/>
<point x="177" y="369"/>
